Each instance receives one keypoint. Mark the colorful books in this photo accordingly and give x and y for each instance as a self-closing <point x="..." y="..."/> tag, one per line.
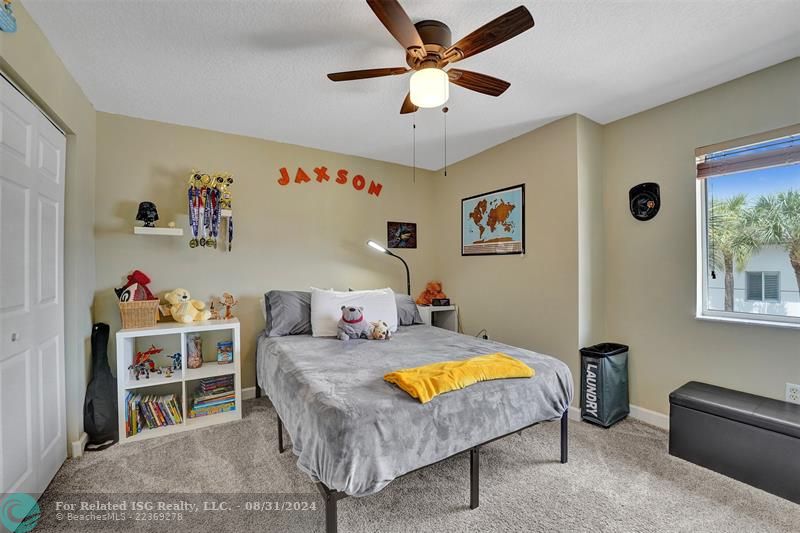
<point x="149" y="411"/>
<point x="213" y="395"/>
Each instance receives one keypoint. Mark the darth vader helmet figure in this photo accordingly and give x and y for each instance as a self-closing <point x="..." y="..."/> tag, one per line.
<point x="147" y="214"/>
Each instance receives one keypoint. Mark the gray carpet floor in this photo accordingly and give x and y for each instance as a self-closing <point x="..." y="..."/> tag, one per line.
<point x="620" y="479"/>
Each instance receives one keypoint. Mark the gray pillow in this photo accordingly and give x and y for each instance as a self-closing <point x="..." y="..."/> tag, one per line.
<point x="288" y="313"/>
<point x="407" y="312"/>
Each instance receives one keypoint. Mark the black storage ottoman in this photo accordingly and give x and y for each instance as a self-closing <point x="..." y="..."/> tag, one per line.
<point x="750" y="438"/>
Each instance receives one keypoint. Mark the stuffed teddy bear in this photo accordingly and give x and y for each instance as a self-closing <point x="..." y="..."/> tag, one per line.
<point x="352" y="324"/>
<point x="184" y="309"/>
<point x="380" y="331"/>
<point x="432" y="290"/>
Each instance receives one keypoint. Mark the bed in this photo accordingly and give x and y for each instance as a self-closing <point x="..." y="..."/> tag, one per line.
<point x="353" y="433"/>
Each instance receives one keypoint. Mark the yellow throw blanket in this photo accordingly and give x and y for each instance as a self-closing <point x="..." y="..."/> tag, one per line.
<point x="426" y="382"/>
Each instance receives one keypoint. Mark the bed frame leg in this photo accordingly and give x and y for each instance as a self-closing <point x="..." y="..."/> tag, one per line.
<point x="280" y="435"/>
<point x="564" y="436"/>
<point x="330" y="515"/>
<point x="330" y="497"/>
<point x="474" y="481"/>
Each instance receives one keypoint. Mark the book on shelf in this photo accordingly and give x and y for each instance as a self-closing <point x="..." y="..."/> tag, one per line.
<point x="195" y="413"/>
<point x="150" y="411"/>
<point x="213" y="395"/>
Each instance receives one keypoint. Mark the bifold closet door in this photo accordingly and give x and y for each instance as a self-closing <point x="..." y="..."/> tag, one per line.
<point x="33" y="442"/>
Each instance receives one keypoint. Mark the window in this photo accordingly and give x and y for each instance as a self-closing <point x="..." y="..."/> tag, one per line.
<point x="749" y="228"/>
<point x="763" y="286"/>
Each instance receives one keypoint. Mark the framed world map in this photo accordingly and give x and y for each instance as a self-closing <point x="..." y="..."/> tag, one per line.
<point x="493" y="223"/>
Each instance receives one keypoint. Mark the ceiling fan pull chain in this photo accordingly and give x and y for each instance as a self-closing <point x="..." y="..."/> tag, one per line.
<point x="445" y="110"/>
<point x="414" y="147"/>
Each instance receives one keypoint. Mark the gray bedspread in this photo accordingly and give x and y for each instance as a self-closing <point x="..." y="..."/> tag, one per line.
<point x="356" y="433"/>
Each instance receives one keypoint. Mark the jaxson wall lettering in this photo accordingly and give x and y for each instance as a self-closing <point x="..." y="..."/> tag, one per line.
<point x="321" y="174"/>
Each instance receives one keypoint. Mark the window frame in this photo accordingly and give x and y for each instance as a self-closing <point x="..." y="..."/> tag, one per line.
<point x="701" y="311"/>
<point x="747" y="285"/>
<point x="762" y="274"/>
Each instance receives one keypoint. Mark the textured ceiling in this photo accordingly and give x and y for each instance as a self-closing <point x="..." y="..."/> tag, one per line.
<point x="258" y="67"/>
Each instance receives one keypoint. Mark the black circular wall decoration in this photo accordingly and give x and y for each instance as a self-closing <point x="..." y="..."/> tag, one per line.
<point x="645" y="201"/>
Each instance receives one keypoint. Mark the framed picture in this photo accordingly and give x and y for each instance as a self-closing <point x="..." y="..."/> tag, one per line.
<point x="401" y="234"/>
<point x="493" y="223"/>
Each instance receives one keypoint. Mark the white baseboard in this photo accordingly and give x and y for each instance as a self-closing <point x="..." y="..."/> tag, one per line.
<point x="79" y="445"/>
<point x="248" y="393"/>
<point x="641" y="414"/>
<point x="647" y="416"/>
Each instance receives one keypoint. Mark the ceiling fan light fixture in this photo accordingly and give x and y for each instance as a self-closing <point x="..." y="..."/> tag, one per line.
<point x="430" y="87"/>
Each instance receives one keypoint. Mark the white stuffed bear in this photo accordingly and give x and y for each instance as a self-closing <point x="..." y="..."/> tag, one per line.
<point x="185" y="310"/>
<point x="379" y="331"/>
<point x="352" y="324"/>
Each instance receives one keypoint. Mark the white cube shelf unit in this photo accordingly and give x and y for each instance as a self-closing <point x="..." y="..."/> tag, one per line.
<point x="181" y="382"/>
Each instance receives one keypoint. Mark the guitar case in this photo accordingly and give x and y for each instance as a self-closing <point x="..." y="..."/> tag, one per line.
<point x="100" y="404"/>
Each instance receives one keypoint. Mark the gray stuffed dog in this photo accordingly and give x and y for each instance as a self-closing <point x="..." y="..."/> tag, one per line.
<point x="352" y="324"/>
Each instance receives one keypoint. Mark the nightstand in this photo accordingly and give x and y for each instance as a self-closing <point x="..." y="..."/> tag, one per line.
<point x="445" y="316"/>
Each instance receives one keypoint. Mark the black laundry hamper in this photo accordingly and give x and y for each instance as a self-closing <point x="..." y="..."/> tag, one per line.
<point x="604" y="383"/>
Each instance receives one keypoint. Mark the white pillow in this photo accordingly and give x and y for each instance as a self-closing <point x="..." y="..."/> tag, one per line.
<point x="326" y="308"/>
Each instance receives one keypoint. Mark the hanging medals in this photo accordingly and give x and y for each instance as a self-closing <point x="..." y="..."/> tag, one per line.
<point x="213" y="200"/>
<point x="194" y="213"/>
<point x="203" y="218"/>
<point x="230" y="232"/>
<point x="207" y="197"/>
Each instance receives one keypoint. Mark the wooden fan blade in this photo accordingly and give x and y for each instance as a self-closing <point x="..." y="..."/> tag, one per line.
<point x="408" y="106"/>
<point x="495" y="32"/>
<point x="476" y="81"/>
<point x="392" y="15"/>
<point x="368" y="73"/>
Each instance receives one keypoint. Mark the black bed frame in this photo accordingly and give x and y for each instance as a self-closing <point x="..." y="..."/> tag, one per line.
<point x="333" y="496"/>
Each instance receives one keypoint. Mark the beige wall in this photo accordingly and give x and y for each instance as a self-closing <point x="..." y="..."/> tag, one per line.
<point x="285" y="237"/>
<point x="650" y="267"/>
<point x="591" y="233"/>
<point x="27" y="58"/>
<point x="532" y="300"/>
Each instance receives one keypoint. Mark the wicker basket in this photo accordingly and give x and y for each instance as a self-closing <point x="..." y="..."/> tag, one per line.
<point x="139" y="314"/>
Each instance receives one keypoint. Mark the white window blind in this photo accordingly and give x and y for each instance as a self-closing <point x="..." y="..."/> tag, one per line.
<point x="772" y="153"/>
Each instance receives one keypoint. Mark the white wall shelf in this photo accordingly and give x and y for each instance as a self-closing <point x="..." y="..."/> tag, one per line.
<point x="182" y="382"/>
<point x="173" y="232"/>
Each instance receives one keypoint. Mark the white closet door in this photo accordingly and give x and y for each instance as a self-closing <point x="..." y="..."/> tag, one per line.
<point x="32" y="398"/>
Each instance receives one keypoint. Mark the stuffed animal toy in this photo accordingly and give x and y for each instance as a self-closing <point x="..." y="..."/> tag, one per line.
<point x="380" y="331"/>
<point x="185" y="310"/>
<point x="352" y="324"/>
<point x="140" y="292"/>
<point x="432" y="290"/>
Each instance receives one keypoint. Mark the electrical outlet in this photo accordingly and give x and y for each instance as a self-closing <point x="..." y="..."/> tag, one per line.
<point x="793" y="393"/>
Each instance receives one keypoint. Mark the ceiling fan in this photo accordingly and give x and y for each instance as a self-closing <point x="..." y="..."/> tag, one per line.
<point x="429" y="49"/>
